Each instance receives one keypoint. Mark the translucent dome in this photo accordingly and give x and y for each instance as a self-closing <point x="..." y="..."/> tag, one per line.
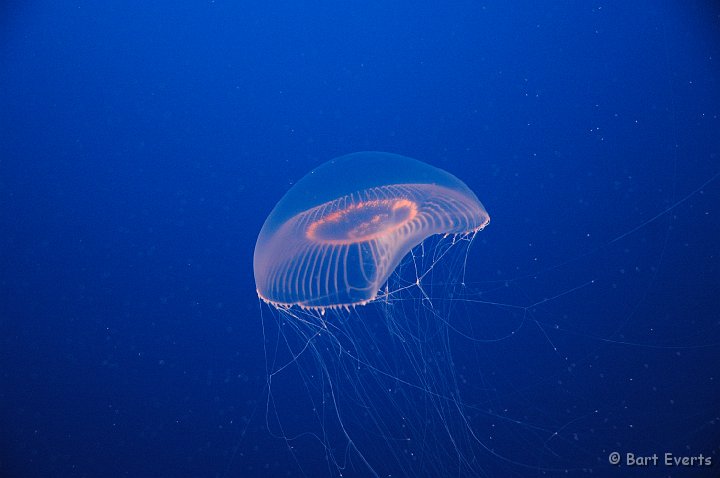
<point x="337" y="235"/>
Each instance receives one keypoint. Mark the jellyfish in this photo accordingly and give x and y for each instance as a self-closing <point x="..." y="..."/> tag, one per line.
<point x="350" y="262"/>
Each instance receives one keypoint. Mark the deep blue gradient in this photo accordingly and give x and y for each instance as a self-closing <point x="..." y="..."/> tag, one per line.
<point x="142" y="146"/>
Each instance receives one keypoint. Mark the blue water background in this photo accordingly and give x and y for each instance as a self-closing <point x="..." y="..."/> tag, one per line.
<point x="142" y="145"/>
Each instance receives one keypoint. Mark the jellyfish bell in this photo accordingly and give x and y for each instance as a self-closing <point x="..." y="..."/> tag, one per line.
<point x="334" y="239"/>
